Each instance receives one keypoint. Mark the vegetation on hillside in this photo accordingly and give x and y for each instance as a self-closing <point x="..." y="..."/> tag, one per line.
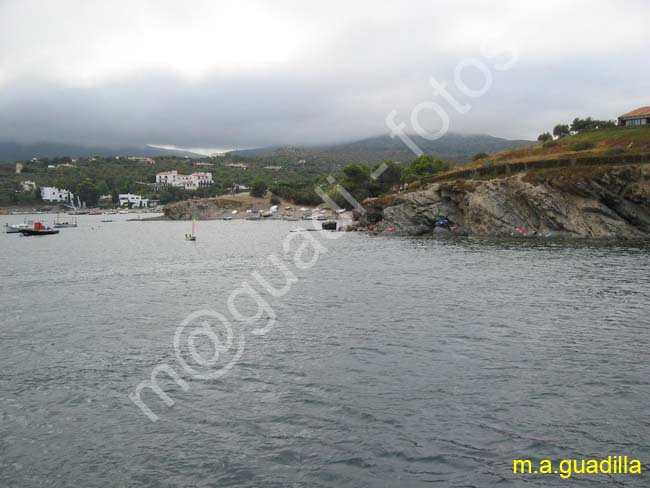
<point x="578" y="125"/>
<point x="452" y="147"/>
<point x="607" y="145"/>
<point x="93" y="178"/>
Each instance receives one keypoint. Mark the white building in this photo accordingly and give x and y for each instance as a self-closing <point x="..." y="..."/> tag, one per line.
<point x="135" y="201"/>
<point x="189" y="182"/>
<point x="236" y="188"/>
<point x="28" y="185"/>
<point x="53" y="194"/>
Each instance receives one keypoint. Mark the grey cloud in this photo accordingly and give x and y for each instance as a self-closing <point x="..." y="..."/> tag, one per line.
<point x="340" y="88"/>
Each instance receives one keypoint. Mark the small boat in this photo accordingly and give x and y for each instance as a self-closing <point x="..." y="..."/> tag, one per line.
<point x="15" y="228"/>
<point x="227" y="217"/>
<point x="58" y="224"/>
<point x="38" y="230"/>
<point x="192" y="236"/>
<point x="106" y="220"/>
<point x="321" y="217"/>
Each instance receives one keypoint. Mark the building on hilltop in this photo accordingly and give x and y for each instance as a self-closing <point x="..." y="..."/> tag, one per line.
<point x="189" y="182"/>
<point x="640" y="116"/>
<point x="236" y="165"/>
<point x="141" y="159"/>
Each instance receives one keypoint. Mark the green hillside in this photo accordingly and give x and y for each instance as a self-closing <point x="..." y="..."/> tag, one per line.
<point x="601" y="146"/>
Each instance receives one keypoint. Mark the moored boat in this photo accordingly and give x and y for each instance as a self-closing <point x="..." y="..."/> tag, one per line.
<point x="15" y="228"/>
<point x="38" y="230"/>
<point x="59" y="224"/>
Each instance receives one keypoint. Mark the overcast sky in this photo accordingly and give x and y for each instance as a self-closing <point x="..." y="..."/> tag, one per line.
<point x="222" y="74"/>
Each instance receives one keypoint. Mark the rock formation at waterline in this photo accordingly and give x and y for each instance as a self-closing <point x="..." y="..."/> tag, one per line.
<point x="594" y="202"/>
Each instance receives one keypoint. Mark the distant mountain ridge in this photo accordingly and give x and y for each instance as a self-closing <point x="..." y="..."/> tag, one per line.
<point x="14" y="151"/>
<point x="455" y="147"/>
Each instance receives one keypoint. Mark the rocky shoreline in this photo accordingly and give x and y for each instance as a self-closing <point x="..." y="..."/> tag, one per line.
<point x="604" y="202"/>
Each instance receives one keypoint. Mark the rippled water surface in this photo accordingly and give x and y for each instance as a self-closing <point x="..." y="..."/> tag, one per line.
<point x="393" y="362"/>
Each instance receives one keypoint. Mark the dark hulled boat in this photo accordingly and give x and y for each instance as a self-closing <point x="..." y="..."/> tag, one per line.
<point x="38" y="230"/>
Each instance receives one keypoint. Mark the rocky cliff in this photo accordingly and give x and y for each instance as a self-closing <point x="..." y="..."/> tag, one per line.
<point x="594" y="202"/>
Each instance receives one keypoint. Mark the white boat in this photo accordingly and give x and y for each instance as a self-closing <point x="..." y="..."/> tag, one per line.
<point x="16" y="228"/>
<point x="192" y="236"/>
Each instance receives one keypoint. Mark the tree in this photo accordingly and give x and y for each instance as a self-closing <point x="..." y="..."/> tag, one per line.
<point x="590" y="124"/>
<point x="88" y="193"/>
<point x="425" y="165"/>
<point x="259" y="188"/>
<point x="275" y="200"/>
<point x="102" y="187"/>
<point x="389" y="177"/>
<point x="561" y="130"/>
<point x="481" y="155"/>
<point x="356" y="180"/>
<point x="545" y="137"/>
<point x="356" y="174"/>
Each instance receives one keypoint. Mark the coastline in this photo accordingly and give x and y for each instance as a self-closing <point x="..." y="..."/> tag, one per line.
<point x="609" y="202"/>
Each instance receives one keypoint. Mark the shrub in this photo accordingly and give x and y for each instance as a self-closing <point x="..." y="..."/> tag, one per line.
<point x="481" y="155"/>
<point x="275" y="200"/>
<point x="258" y="189"/>
<point x="550" y="144"/>
<point x="582" y="146"/>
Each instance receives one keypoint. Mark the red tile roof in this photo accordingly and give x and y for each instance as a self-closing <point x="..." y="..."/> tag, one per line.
<point x="639" y="112"/>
